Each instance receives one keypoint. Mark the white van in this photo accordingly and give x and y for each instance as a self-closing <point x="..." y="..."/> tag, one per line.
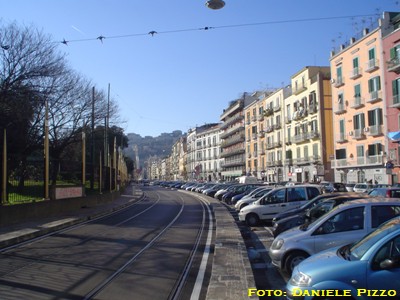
<point x="247" y="179"/>
<point x="276" y="201"/>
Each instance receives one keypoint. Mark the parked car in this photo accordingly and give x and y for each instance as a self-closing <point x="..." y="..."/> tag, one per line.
<point x="212" y="190"/>
<point x="250" y="198"/>
<point x="218" y="195"/>
<point x="330" y="187"/>
<point x="238" y="189"/>
<point x="276" y="201"/>
<point x="306" y="206"/>
<point x="385" y="192"/>
<point x="362" y="187"/>
<point x="343" y="225"/>
<point x="238" y="197"/>
<point x="371" y="264"/>
<point x="350" y="187"/>
<point x="313" y="213"/>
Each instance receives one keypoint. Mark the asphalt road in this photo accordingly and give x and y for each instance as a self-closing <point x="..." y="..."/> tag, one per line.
<point x="150" y="250"/>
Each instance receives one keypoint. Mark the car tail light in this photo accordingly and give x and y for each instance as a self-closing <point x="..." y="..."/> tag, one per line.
<point x="388" y="194"/>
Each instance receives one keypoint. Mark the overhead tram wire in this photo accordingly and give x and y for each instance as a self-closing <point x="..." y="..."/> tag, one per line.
<point x="206" y="28"/>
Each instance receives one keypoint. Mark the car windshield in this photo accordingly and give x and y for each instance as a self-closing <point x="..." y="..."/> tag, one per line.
<point x="357" y="251"/>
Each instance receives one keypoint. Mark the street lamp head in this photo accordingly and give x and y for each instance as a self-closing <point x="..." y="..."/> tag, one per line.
<point x="215" y="4"/>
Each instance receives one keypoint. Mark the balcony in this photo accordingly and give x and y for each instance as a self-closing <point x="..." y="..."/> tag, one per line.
<point x="341" y="137"/>
<point x="299" y="138"/>
<point x="268" y="112"/>
<point x="312" y="109"/>
<point x="395" y="101"/>
<point x="288" y="120"/>
<point x="227" y="153"/>
<point x="260" y="117"/>
<point x="277" y="107"/>
<point x="314" y="134"/>
<point x="372" y="65"/>
<point x="393" y="65"/>
<point x="261" y="134"/>
<point x="270" y="146"/>
<point x="373" y="160"/>
<point x="357" y="102"/>
<point x="340" y="109"/>
<point x="288" y="161"/>
<point x="299" y="114"/>
<point x="375" y="96"/>
<point x="355" y="73"/>
<point x="253" y="118"/>
<point x="357" y="134"/>
<point x="277" y="144"/>
<point x="299" y="89"/>
<point x="277" y="126"/>
<point x="269" y="129"/>
<point x="374" y="130"/>
<point x="338" y="82"/>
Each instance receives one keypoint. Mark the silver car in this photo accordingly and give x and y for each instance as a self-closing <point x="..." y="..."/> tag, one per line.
<point x="343" y="225"/>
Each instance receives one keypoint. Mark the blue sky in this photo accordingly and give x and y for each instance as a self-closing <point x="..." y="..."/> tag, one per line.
<point x="182" y="76"/>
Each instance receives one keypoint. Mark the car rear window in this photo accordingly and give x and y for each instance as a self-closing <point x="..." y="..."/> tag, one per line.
<point x="382" y="213"/>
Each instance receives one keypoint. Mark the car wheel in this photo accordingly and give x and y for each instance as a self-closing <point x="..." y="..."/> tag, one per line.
<point x="252" y="220"/>
<point x="293" y="260"/>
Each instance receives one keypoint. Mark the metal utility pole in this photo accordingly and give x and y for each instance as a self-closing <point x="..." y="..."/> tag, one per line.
<point x="4" y="179"/>
<point x="92" y="147"/>
<point x="46" y="152"/>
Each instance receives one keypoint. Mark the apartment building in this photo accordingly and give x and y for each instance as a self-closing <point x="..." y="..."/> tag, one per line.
<point x="391" y="58"/>
<point x="208" y="150"/>
<point x="203" y="160"/>
<point x="360" y="107"/>
<point x="264" y="135"/>
<point x="177" y="158"/>
<point x="254" y="137"/>
<point x="233" y="138"/>
<point x="308" y="126"/>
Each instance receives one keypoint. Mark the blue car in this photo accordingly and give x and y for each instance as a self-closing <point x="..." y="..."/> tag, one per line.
<point x="367" y="269"/>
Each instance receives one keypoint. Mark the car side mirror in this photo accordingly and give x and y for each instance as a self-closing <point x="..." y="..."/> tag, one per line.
<point x="387" y="264"/>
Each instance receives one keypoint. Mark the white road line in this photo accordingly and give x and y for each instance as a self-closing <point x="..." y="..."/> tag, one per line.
<point x="200" y="276"/>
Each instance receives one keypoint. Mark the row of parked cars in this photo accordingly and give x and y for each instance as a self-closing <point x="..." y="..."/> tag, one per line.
<point x="345" y="242"/>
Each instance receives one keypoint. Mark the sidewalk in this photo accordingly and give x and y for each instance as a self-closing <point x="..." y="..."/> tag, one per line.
<point x="13" y="234"/>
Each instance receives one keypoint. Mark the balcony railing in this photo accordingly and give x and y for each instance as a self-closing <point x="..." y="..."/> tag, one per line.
<point x="396" y="101"/>
<point x="393" y="65"/>
<point x="312" y="109"/>
<point x="277" y="107"/>
<point x="338" y="82"/>
<point x="372" y="160"/>
<point x="340" y="109"/>
<point x="341" y="137"/>
<point x="299" y="89"/>
<point x="372" y="65"/>
<point x="357" y="102"/>
<point x="355" y="73"/>
<point x="375" y="96"/>
<point x="299" y="138"/>
<point x="375" y="130"/>
<point x="358" y="134"/>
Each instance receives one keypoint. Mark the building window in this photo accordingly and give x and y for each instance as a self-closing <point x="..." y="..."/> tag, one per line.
<point x="375" y="117"/>
<point x="339" y="76"/>
<point x="359" y="121"/>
